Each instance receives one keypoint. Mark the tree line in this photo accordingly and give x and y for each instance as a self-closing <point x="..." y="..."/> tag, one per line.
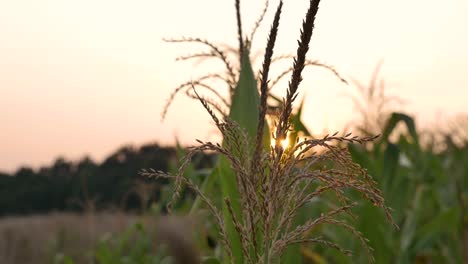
<point x="87" y="185"/>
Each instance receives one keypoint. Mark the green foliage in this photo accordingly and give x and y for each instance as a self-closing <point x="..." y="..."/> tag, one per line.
<point x="133" y="246"/>
<point x="422" y="188"/>
<point x="124" y="249"/>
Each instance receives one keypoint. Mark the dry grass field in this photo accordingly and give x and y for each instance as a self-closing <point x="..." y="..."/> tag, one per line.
<point x="37" y="239"/>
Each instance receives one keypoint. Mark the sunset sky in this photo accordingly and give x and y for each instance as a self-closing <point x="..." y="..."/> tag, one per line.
<point x="85" y="77"/>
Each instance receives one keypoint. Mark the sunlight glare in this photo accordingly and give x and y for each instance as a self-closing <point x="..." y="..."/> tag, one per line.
<point x="284" y="142"/>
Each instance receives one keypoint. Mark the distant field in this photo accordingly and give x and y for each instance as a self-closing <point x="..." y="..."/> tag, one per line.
<point x="37" y="239"/>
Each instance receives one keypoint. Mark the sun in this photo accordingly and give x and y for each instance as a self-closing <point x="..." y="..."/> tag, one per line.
<point x="284" y="143"/>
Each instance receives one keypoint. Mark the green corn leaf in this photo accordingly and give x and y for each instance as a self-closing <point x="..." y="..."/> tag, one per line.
<point x="379" y="235"/>
<point x="392" y="181"/>
<point x="293" y="253"/>
<point x="227" y="179"/>
<point x="394" y="120"/>
<point x="207" y="187"/>
<point x="244" y="111"/>
<point x="299" y="126"/>
<point x="361" y="156"/>
<point x="445" y="222"/>
<point x="245" y="101"/>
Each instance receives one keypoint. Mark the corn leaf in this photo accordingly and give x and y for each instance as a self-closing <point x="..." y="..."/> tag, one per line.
<point x="244" y="111"/>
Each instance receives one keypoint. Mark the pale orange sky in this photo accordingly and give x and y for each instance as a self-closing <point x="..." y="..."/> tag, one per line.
<point x="85" y="77"/>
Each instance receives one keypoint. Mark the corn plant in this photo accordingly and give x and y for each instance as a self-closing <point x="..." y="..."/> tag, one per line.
<point x="426" y="191"/>
<point x="264" y="187"/>
<point x="422" y="177"/>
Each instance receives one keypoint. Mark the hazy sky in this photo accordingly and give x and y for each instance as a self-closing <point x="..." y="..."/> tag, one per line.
<point x="85" y="77"/>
